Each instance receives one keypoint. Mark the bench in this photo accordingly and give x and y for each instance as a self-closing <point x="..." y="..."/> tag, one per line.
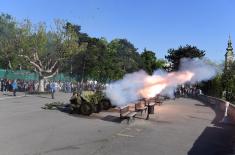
<point x="140" y="107"/>
<point x="159" y="100"/>
<point x="126" y="113"/>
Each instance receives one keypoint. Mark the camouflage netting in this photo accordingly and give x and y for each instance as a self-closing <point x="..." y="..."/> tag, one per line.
<point x="53" y="105"/>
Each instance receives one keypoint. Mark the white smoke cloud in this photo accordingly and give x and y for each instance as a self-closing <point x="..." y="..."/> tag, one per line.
<point x="125" y="91"/>
<point x="202" y="70"/>
<point x="128" y="89"/>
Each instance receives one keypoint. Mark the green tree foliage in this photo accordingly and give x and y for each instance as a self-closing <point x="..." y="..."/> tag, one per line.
<point x="213" y="87"/>
<point x="8" y="46"/>
<point x="150" y="62"/>
<point x="127" y="59"/>
<point x="103" y="61"/>
<point x="66" y="49"/>
<point x="90" y="63"/>
<point x="46" y="51"/>
<point x="188" y="51"/>
<point x="160" y="64"/>
<point x="228" y="83"/>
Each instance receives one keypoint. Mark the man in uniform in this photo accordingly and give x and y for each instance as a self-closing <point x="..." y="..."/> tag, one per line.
<point x="75" y="101"/>
<point x="52" y="89"/>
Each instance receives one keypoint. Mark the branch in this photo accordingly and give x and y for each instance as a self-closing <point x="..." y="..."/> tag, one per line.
<point x="53" y="74"/>
<point x="47" y="64"/>
<point x="52" y="67"/>
<point x="32" y="62"/>
<point x="9" y="64"/>
<point x="36" y="58"/>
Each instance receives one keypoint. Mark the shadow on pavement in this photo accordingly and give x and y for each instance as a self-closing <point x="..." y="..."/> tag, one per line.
<point x="215" y="140"/>
<point x="48" y="97"/>
<point x="111" y="118"/>
<point x="200" y="105"/>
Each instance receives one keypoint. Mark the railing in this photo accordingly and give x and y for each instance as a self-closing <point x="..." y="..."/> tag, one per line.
<point x="219" y="104"/>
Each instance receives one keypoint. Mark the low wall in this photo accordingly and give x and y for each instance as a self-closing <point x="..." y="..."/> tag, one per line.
<point x="220" y="105"/>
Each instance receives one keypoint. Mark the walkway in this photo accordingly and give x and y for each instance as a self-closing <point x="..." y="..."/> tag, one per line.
<point x="179" y="127"/>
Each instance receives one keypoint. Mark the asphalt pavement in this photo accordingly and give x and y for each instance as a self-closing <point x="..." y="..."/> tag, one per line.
<point x="178" y="127"/>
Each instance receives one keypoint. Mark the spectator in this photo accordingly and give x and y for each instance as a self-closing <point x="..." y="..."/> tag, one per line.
<point x="14" y="87"/>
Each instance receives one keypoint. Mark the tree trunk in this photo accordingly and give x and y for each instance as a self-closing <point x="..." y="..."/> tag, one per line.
<point x="41" y="84"/>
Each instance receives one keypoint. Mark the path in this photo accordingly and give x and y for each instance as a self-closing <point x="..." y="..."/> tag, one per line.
<point x="179" y="127"/>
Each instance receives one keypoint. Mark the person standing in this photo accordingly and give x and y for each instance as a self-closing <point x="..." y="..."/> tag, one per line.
<point x="52" y="89"/>
<point x="2" y="82"/>
<point x="14" y="87"/>
<point x="6" y="86"/>
<point x="3" y="86"/>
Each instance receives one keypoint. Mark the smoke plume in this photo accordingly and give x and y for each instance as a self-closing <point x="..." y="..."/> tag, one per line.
<point x="141" y="85"/>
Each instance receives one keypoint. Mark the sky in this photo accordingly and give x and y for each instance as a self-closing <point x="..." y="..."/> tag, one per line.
<point x="156" y="25"/>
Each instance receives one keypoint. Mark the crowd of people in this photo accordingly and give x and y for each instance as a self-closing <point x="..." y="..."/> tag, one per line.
<point x="187" y="90"/>
<point x="32" y="86"/>
<point x="8" y="85"/>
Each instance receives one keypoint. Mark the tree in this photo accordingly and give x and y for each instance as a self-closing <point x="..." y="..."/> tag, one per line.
<point x="150" y="62"/>
<point x="89" y="62"/>
<point x="188" y="51"/>
<point x="212" y="87"/>
<point x="46" y="51"/>
<point x="8" y="46"/>
<point x="160" y="64"/>
<point x="228" y="83"/>
<point x="125" y="56"/>
<point x="103" y="61"/>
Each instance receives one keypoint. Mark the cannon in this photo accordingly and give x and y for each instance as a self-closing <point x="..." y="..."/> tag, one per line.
<point x="88" y="102"/>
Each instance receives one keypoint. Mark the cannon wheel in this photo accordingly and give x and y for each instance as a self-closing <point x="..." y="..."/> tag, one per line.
<point x="98" y="107"/>
<point x="72" y="109"/>
<point x="106" y="104"/>
<point x="86" y="109"/>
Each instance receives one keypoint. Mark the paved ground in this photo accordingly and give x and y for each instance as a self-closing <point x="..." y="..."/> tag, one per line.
<point x="179" y="127"/>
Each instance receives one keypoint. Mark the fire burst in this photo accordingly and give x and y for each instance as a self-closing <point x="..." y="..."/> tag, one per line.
<point x="139" y="84"/>
<point x="153" y="85"/>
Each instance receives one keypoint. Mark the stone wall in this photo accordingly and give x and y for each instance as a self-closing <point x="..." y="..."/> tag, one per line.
<point x="220" y="105"/>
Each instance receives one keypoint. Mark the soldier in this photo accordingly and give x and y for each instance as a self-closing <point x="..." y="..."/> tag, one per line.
<point x="75" y="101"/>
<point x="52" y="89"/>
<point x="73" y="98"/>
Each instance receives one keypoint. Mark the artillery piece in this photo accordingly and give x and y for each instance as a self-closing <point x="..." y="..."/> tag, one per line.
<point x="89" y="102"/>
